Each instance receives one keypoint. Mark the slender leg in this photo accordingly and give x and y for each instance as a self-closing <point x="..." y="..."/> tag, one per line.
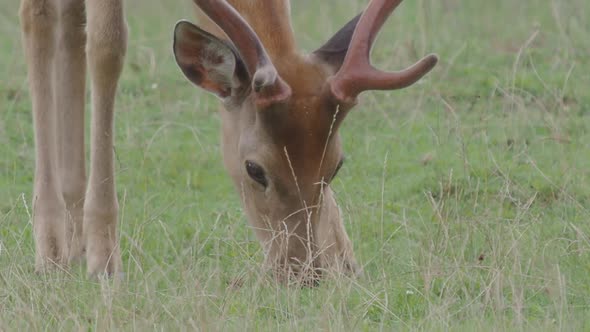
<point x="39" y="23"/>
<point x="70" y="85"/>
<point x="106" y="46"/>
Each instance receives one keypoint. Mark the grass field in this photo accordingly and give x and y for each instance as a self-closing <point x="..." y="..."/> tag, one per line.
<point x="466" y="196"/>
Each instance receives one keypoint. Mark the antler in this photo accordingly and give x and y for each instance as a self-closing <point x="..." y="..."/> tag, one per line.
<point x="266" y="82"/>
<point x="357" y="74"/>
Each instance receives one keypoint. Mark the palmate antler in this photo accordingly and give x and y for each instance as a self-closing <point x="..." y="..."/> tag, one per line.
<point x="268" y="86"/>
<point x="357" y="74"/>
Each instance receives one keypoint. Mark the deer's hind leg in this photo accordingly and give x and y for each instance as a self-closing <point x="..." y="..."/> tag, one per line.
<point x="106" y="46"/>
<point x="39" y="22"/>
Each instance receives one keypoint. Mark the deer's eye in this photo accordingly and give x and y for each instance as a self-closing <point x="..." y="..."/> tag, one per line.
<point x="256" y="172"/>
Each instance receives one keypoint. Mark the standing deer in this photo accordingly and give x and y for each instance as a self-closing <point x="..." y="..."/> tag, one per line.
<point x="280" y="140"/>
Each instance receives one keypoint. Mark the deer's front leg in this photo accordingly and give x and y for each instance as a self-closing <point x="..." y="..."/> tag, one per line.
<point x="39" y="21"/>
<point x="106" y="45"/>
<point x="70" y="85"/>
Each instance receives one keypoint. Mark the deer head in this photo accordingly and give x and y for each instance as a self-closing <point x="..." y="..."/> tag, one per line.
<point x="282" y="113"/>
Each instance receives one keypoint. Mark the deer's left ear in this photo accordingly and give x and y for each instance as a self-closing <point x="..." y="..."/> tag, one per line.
<point x="335" y="49"/>
<point x="208" y="61"/>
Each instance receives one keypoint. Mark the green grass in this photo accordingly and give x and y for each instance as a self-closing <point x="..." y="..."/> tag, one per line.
<point x="466" y="196"/>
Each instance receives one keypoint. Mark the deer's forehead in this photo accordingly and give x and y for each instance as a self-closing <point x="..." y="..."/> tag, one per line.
<point x="307" y="137"/>
<point x="304" y="75"/>
<point x="301" y="133"/>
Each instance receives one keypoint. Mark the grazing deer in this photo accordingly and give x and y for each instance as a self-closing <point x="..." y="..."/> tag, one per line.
<point x="282" y="113"/>
<point x="280" y="123"/>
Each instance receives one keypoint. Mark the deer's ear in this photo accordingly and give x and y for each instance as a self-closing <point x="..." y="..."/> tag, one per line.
<point x="207" y="61"/>
<point x="335" y="49"/>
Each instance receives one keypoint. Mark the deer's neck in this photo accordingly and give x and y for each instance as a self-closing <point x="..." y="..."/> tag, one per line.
<point x="270" y="19"/>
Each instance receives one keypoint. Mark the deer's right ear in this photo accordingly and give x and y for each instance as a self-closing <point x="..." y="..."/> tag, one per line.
<point x="207" y="61"/>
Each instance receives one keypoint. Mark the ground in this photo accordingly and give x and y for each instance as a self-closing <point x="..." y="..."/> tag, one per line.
<point x="466" y="196"/>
